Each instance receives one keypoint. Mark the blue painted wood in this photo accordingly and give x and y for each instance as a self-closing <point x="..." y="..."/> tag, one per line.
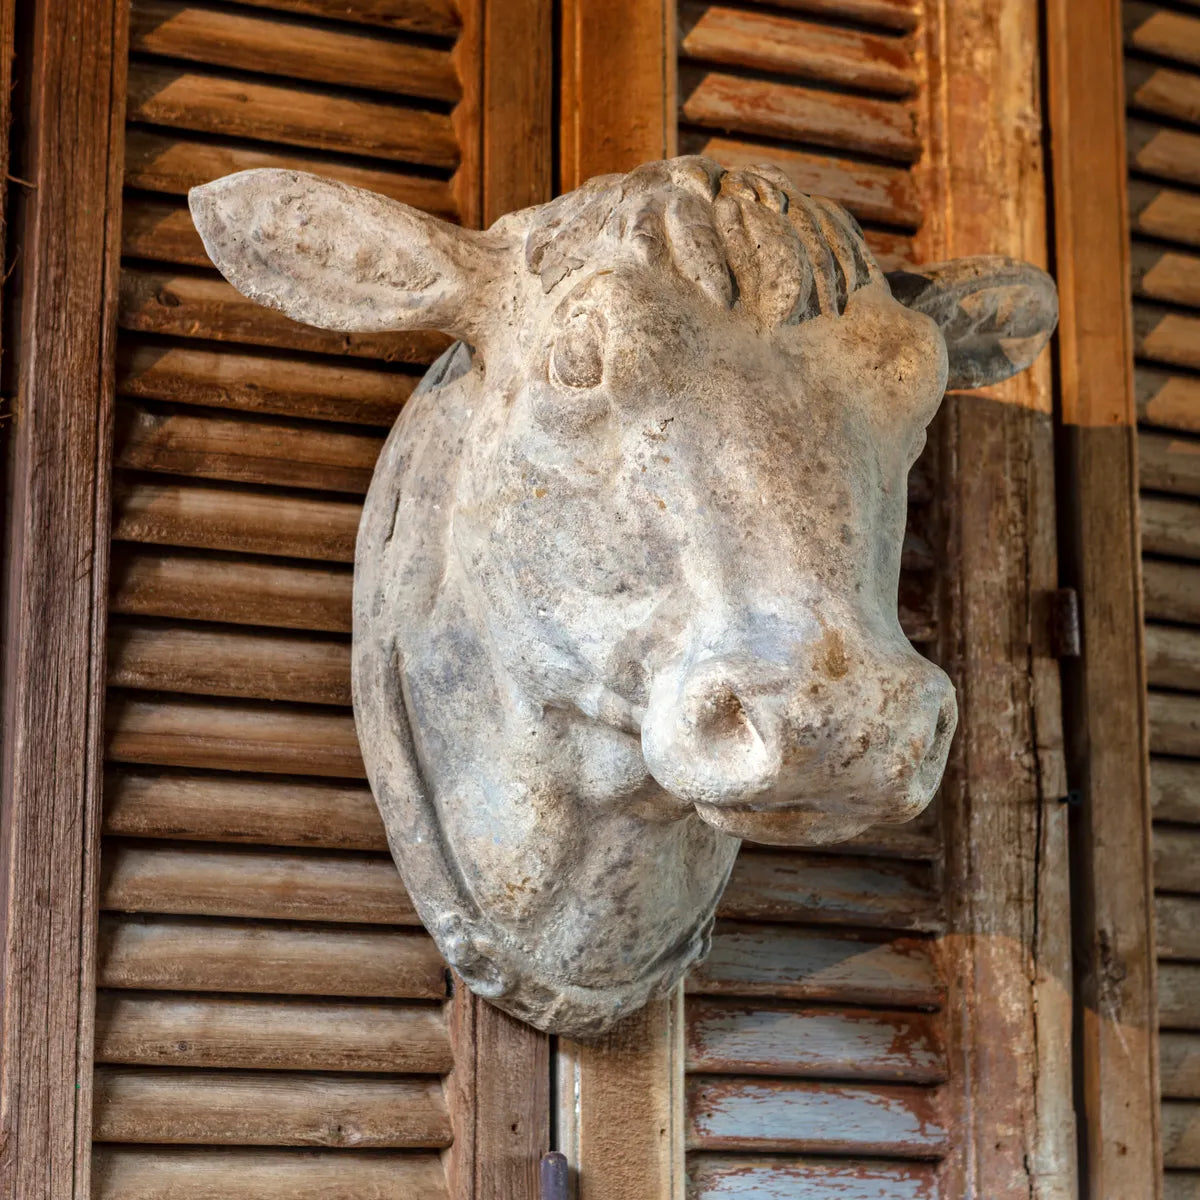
<point x="729" y="1177"/>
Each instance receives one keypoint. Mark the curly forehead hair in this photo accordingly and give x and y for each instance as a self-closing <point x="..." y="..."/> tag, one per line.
<point x="747" y="239"/>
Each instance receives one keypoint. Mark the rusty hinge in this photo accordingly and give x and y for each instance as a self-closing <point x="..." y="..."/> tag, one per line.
<point x="1065" y="639"/>
<point x="554" y="1176"/>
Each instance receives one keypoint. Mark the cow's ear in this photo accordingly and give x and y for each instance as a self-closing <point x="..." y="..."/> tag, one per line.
<point x="995" y="313"/>
<point x="341" y="258"/>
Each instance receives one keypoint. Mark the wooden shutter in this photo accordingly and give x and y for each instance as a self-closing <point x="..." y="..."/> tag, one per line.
<point x="1162" y="72"/>
<point x="271" y="1021"/>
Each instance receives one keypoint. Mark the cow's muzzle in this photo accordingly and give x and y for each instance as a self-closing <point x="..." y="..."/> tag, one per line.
<point x="802" y="758"/>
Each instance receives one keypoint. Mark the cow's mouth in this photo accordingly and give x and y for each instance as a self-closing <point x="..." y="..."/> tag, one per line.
<point x="781" y="826"/>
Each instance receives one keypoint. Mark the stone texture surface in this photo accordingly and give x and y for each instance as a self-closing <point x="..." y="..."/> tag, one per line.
<point x="626" y="580"/>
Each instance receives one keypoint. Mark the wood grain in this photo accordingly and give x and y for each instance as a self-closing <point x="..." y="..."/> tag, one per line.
<point x="200" y="954"/>
<point x="1175" y="790"/>
<point x="900" y="15"/>
<point x="1174" y="723"/>
<point x="1173" y="657"/>
<point x="1169" y="526"/>
<point x="440" y="17"/>
<point x="742" y="1177"/>
<point x="1169" y="464"/>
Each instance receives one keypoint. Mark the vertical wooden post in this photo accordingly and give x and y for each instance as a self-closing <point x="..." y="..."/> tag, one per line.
<point x="56" y="540"/>
<point x="1111" y="846"/>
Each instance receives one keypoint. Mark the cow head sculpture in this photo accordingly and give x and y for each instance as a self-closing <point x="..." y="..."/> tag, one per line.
<point x="626" y="582"/>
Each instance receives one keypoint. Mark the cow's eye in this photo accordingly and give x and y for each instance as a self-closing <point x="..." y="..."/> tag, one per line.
<point x="577" y="356"/>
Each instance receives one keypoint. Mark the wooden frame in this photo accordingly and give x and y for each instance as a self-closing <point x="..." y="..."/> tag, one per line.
<point x="56" y="531"/>
<point x="1116" y="1026"/>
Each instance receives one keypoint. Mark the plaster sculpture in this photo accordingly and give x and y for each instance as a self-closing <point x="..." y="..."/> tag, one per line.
<point x="626" y="583"/>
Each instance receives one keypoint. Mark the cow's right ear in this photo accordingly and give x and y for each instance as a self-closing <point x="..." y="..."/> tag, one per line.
<point x="342" y="258"/>
<point x="995" y="313"/>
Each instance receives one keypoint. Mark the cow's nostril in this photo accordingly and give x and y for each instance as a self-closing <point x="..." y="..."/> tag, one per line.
<point x="719" y="715"/>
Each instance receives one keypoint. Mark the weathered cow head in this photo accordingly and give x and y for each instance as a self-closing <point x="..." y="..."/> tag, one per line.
<point x="627" y="575"/>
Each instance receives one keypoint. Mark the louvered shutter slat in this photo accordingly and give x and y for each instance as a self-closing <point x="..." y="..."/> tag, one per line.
<point x="733" y="1177"/>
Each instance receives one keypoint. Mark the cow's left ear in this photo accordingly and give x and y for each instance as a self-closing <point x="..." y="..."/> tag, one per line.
<point x="995" y="313"/>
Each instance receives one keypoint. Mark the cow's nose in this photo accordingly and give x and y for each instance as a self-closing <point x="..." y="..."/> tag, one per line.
<point x="774" y="755"/>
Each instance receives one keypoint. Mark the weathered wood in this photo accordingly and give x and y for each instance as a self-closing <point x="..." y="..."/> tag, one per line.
<point x="1179" y="995"/>
<point x="901" y="15"/>
<point x="205" y="306"/>
<point x="1172" y="401"/>
<point x="258" y="665"/>
<point x="1177" y="860"/>
<point x="1181" y="1185"/>
<point x="871" y="191"/>
<point x="1157" y="30"/>
<point x="787" y="46"/>
<point x="738" y="1177"/>
<point x="1175" y="790"/>
<point x="262" y="383"/>
<point x="146" y="1029"/>
<point x="917" y="839"/>
<point x="1181" y="1134"/>
<point x="737" y="104"/>
<point x="297" y="49"/>
<point x="816" y="1118"/>
<point x="1169" y="464"/>
<point x="1170" y="527"/>
<point x="198" y="954"/>
<point x="1163" y="92"/>
<point x="261" y="1108"/>
<point x="241" y="808"/>
<point x="288" y="885"/>
<point x="161" y="230"/>
<point x="789" y="887"/>
<point x="1178" y="927"/>
<point x="236" y="737"/>
<point x="175" y="163"/>
<point x="893" y="252"/>
<point x="1172" y="591"/>
<point x="1166" y="336"/>
<point x="1164" y="213"/>
<point x="214" y="587"/>
<point x="1167" y="275"/>
<point x="272" y="452"/>
<point x="295" y="116"/>
<point x="217" y="518"/>
<point x="1163" y="152"/>
<point x="804" y="964"/>
<point x="730" y="1038"/>
<point x="440" y="17"/>
<point x="1180" y="1065"/>
<point x="1174" y="724"/>
<point x="1173" y="657"/>
<point x="126" y="1173"/>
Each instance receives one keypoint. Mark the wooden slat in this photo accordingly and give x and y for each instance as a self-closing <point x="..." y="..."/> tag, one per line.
<point x="804" y="964"/>
<point x="1169" y="464"/>
<point x="1171" y="401"/>
<point x="1179" y="995"/>
<point x="1164" y="213"/>
<point x="1172" y="591"/>
<point x="1175" y="790"/>
<point x="739" y="1177"/>
<point x="262" y="383"/>
<point x="287" y="885"/>
<point x="736" y="1114"/>
<point x="1177" y="860"/>
<point x="1166" y="336"/>
<point x="730" y="1038"/>
<point x="1173" y="657"/>
<point x="205" y="306"/>
<point x="420" y="16"/>
<point x="273" y="452"/>
<point x="736" y="104"/>
<point x="1178" y="925"/>
<point x="1163" y="152"/>
<point x="1170" y="527"/>
<point x="216" y="587"/>
<point x="129" y="1173"/>
<point x="1157" y="30"/>
<point x="260" y="1108"/>
<point x="901" y="15"/>
<point x="1174" y="724"/>
<point x="154" y="1030"/>
<point x="871" y="191"/>
<point x="1179" y="1058"/>
<point x="259" y="665"/>
<point x="161" y="230"/>
<point x="1167" y="275"/>
<point x="217" y="518"/>
<point x="241" y="808"/>
<point x="787" y="46"/>
<point x="200" y="954"/>
<point x="229" y="736"/>
<point x="1163" y="92"/>
<point x="174" y="163"/>
<point x="1181" y="1185"/>
<point x="296" y="115"/>
<point x="893" y="252"/>
<point x="297" y="49"/>
<point x="773" y="886"/>
<point x="1181" y="1134"/>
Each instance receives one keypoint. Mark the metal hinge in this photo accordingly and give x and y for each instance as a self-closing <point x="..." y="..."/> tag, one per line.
<point x="1065" y="639"/>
